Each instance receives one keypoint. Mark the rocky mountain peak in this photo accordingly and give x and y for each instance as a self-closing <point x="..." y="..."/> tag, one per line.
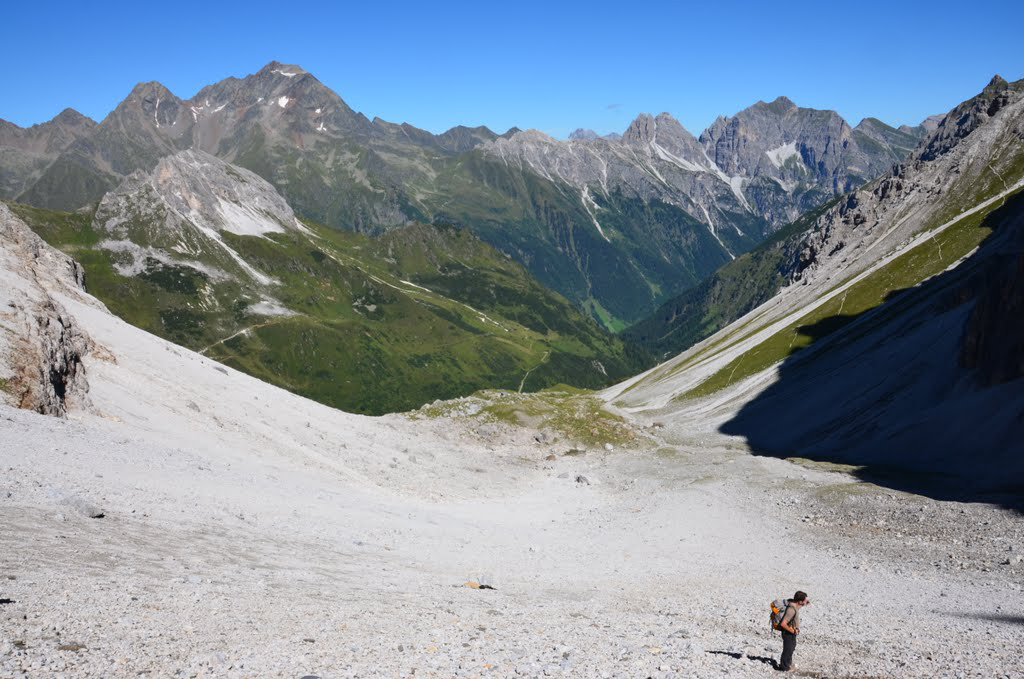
<point x="149" y="101"/>
<point x="151" y="89"/>
<point x="780" y="105"/>
<point x="70" y="116"/>
<point x="182" y="206"/>
<point x="642" y="130"/>
<point x="971" y="114"/>
<point x="997" y="83"/>
<point x="667" y="125"/>
<point x="282" y="70"/>
<point x="586" y="134"/>
<point x="461" y="138"/>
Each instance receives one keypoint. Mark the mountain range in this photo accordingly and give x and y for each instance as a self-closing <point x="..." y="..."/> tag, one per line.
<point x="616" y="225"/>
<point x="210" y="256"/>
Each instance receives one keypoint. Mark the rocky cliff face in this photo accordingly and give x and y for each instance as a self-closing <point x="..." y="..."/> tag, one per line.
<point x="41" y="347"/>
<point x="812" y="155"/>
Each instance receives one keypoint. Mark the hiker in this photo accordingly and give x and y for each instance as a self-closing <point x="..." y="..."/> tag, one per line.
<point x="790" y="627"/>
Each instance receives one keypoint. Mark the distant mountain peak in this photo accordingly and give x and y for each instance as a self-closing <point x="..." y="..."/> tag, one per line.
<point x="642" y="129"/>
<point x="284" y="70"/>
<point x="586" y="134"/>
<point x="780" y="105"/>
<point x="151" y="89"/>
<point x="997" y="82"/>
<point x="70" y="116"/>
<point x="534" y="135"/>
<point x="662" y="128"/>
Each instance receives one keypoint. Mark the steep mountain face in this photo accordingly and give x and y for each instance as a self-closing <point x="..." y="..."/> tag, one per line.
<point x="878" y="341"/>
<point x="810" y="155"/>
<point x="210" y="256"/>
<point x="616" y="225"/>
<point x="25" y="153"/>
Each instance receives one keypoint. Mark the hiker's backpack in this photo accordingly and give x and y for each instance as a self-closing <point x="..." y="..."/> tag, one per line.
<point x="778" y="611"/>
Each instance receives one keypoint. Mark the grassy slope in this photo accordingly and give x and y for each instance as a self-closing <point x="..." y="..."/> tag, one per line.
<point x="360" y="338"/>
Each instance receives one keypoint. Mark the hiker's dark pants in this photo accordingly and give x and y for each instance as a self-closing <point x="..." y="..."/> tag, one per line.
<point x="788" y="646"/>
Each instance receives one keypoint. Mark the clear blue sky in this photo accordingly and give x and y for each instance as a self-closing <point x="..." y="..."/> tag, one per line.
<point x="553" y="66"/>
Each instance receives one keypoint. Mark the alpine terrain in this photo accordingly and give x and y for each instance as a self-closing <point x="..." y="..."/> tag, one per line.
<point x="838" y="307"/>
<point x="614" y="224"/>
<point x="290" y="392"/>
<point x="210" y="256"/>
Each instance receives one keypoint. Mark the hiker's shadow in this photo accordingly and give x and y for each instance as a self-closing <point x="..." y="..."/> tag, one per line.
<point x="771" y="662"/>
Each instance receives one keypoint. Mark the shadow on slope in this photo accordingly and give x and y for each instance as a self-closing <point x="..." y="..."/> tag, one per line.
<point x="924" y="393"/>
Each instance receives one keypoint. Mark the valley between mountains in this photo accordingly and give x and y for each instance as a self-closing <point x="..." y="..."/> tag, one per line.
<point x="287" y="391"/>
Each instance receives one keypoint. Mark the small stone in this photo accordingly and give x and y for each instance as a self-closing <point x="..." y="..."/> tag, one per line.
<point x="73" y="646"/>
<point x="609" y="447"/>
